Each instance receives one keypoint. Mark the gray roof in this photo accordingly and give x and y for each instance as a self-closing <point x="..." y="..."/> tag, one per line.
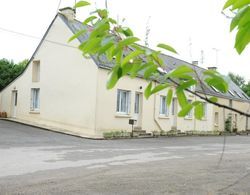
<point x="234" y="92"/>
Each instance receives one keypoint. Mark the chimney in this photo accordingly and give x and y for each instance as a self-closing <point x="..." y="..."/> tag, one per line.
<point x="212" y="68"/>
<point x="68" y="12"/>
<point x="195" y="63"/>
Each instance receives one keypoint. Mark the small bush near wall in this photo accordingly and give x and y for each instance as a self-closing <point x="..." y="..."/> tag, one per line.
<point x="3" y="114"/>
<point x="228" y="124"/>
<point x="116" y="134"/>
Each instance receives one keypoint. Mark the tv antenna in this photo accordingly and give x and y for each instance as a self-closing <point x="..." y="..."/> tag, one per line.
<point x="147" y="32"/>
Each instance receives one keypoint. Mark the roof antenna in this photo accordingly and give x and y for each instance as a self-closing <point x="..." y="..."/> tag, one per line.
<point x="216" y="55"/>
<point x="147" y="32"/>
<point x="106" y="4"/>
<point x="202" y="57"/>
<point x="190" y="49"/>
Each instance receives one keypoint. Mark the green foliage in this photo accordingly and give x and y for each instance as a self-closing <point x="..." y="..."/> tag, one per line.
<point x="116" y="134"/>
<point x="9" y="71"/>
<point x="228" y="124"/>
<point x="120" y="47"/>
<point x="241" y="82"/>
<point x="241" y="21"/>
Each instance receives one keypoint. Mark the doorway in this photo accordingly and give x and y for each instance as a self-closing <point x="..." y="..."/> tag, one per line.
<point x="14" y="104"/>
<point x="138" y="109"/>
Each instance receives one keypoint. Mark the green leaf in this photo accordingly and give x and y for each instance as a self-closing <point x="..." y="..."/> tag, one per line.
<point x="187" y="84"/>
<point x="126" y="68"/>
<point x="199" y="111"/>
<point x="213" y="99"/>
<point x="185" y="110"/>
<point x="147" y="91"/>
<point x="167" y="47"/>
<point x="180" y="71"/>
<point x="238" y="17"/>
<point x="150" y="71"/>
<point x="81" y="4"/>
<point x="125" y="42"/>
<point x="240" y="3"/>
<point x="131" y="56"/>
<point x="113" y="78"/>
<point x="181" y="98"/>
<point x="103" y="13"/>
<point x="242" y="38"/>
<point x="89" y="19"/>
<point x="229" y="3"/>
<point x="77" y="34"/>
<point x="127" y="31"/>
<point x="159" y="87"/>
<point x="169" y="97"/>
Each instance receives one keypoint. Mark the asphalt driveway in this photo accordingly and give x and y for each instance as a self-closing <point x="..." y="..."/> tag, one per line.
<point x="35" y="161"/>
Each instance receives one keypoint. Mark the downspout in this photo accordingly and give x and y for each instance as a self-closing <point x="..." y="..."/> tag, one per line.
<point x="155" y="117"/>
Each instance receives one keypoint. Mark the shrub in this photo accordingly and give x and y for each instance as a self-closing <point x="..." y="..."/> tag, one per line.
<point x="228" y="124"/>
<point x="116" y="134"/>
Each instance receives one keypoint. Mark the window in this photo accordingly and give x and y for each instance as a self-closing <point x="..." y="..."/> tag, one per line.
<point x="190" y="114"/>
<point x="230" y="103"/>
<point x="216" y="118"/>
<point x="238" y="94"/>
<point x="36" y="71"/>
<point x="123" y="101"/>
<point x="204" y="110"/>
<point x="137" y="103"/>
<point x="35" y="100"/>
<point x="163" y="106"/>
<point x="216" y="90"/>
<point x="231" y="92"/>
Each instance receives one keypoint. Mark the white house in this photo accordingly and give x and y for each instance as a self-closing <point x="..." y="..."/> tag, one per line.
<point x="62" y="90"/>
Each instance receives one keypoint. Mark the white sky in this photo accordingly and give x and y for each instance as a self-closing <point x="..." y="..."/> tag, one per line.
<point x="174" y="22"/>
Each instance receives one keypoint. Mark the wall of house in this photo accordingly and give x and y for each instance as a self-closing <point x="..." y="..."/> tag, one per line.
<point x="238" y="121"/>
<point x="67" y="86"/>
<point x="109" y="120"/>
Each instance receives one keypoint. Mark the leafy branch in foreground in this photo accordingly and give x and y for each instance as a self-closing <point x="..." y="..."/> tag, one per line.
<point x="111" y="42"/>
<point x="241" y="22"/>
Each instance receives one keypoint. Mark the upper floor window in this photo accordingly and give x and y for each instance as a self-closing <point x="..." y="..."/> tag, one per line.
<point x="35" y="99"/>
<point x="123" y="101"/>
<point x="36" y="71"/>
<point x="163" y="106"/>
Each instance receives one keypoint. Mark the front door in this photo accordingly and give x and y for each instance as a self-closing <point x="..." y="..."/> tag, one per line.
<point x="138" y="109"/>
<point x="14" y="104"/>
<point x="174" y="113"/>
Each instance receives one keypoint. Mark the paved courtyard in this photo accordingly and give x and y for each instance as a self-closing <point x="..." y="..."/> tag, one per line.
<point x="35" y="161"/>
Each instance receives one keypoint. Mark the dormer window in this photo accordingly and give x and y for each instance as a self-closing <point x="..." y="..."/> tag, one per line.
<point x="238" y="94"/>
<point x="231" y="92"/>
<point x="216" y="90"/>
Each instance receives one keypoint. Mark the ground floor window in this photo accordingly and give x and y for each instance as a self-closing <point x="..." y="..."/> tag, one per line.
<point x="163" y="106"/>
<point x="35" y="99"/>
<point x="123" y="101"/>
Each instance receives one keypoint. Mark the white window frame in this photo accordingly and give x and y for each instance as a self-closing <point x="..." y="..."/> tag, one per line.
<point x="204" y="104"/>
<point x="35" y="99"/>
<point x="164" y="110"/>
<point x="190" y="114"/>
<point x="123" y="102"/>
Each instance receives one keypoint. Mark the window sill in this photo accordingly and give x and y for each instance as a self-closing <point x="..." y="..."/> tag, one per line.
<point x="34" y="112"/>
<point x="163" y="117"/>
<point x="120" y="115"/>
<point x="188" y="118"/>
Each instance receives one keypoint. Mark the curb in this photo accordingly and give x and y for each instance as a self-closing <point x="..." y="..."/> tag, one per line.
<point x="50" y="130"/>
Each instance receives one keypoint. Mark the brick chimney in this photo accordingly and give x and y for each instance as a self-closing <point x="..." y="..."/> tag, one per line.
<point x="68" y="12"/>
<point x="212" y="68"/>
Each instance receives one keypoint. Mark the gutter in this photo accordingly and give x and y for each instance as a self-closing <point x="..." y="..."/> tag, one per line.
<point x="155" y="117"/>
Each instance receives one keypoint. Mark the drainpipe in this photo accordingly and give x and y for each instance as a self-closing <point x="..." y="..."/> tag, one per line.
<point x="155" y="117"/>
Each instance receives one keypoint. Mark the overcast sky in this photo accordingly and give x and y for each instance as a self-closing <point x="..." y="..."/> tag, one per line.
<point x="198" y="23"/>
